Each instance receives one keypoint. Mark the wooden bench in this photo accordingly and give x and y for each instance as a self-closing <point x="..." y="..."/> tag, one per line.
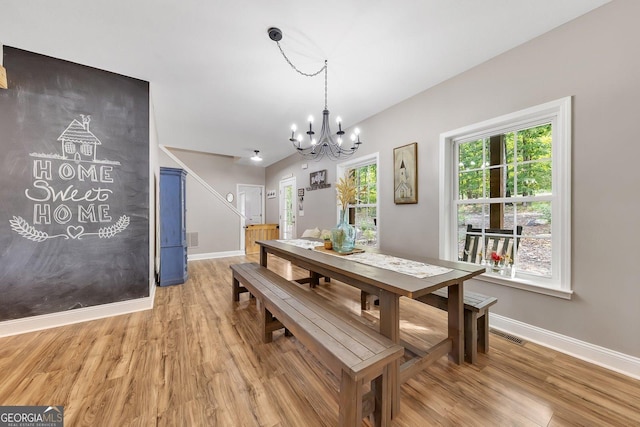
<point x="476" y="319"/>
<point x="357" y="354"/>
<point x="498" y="240"/>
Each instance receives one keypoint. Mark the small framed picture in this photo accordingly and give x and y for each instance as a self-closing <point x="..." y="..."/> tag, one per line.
<point x="318" y="179"/>
<point x="405" y="174"/>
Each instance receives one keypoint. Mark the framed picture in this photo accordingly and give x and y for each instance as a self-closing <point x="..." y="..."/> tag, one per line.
<point x="405" y="174"/>
<point x="318" y="179"/>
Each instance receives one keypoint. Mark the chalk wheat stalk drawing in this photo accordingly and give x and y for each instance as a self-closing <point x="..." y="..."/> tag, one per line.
<point x="120" y="225"/>
<point x="22" y="227"/>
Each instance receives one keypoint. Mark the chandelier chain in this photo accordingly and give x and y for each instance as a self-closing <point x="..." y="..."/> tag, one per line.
<point x="325" y="144"/>
<point x="324" y="68"/>
<point x="295" y="68"/>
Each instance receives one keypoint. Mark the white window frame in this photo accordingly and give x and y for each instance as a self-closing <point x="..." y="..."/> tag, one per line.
<point x="557" y="112"/>
<point x="369" y="159"/>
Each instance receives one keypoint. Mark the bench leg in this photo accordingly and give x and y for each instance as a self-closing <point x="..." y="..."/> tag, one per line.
<point x="350" y="402"/>
<point x="471" y="336"/>
<point x="266" y="318"/>
<point x="381" y="388"/>
<point x="235" y="290"/>
<point x="483" y="332"/>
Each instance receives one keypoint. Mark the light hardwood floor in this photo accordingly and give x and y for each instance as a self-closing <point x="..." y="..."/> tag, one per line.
<point x="196" y="360"/>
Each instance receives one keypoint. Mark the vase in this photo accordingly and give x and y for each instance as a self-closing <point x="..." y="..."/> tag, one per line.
<point x="343" y="236"/>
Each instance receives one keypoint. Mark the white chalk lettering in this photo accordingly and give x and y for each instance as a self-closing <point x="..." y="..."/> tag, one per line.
<point x="66" y="171"/>
<point x="42" y="169"/>
<point x="62" y="214"/>
<point x="103" y="213"/>
<point x="69" y="187"/>
<point x="90" y="172"/>
<point x="88" y="214"/>
<point x="41" y="214"/>
<point x="69" y="194"/>
<point x="105" y="173"/>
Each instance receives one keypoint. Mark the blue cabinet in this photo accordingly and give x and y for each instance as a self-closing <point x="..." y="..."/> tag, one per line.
<point x="173" y="232"/>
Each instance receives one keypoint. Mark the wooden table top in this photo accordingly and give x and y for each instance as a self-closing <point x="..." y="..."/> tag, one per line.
<point x="398" y="283"/>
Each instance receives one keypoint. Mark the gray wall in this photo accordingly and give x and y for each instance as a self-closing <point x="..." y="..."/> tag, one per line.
<point x="595" y="60"/>
<point x="217" y="226"/>
<point x="319" y="205"/>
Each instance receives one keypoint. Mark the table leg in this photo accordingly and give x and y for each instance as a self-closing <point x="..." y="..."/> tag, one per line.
<point x="263" y="256"/>
<point x="455" y="309"/>
<point x="390" y="328"/>
<point x="315" y="279"/>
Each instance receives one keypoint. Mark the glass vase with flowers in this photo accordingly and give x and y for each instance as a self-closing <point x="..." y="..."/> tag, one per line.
<point x="343" y="236"/>
<point x="497" y="262"/>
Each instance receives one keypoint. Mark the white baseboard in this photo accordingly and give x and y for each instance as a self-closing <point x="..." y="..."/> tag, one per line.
<point x="46" y="321"/>
<point x="212" y="255"/>
<point x="610" y="359"/>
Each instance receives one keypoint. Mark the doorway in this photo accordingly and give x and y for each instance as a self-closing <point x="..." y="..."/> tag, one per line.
<point x="251" y="205"/>
<point x="287" y="208"/>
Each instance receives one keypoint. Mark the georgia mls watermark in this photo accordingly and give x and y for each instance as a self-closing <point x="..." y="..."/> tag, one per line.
<point x="31" y="416"/>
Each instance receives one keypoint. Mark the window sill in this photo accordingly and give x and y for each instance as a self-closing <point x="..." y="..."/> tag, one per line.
<point x="527" y="285"/>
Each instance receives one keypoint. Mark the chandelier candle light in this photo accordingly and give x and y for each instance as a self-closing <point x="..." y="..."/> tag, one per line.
<point x="325" y="145"/>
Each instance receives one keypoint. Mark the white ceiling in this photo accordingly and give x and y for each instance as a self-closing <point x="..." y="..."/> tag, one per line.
<point x="220" y="85"/>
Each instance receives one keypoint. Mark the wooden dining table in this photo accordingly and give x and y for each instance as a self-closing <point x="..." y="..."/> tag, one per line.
<point x="389" y="286"/>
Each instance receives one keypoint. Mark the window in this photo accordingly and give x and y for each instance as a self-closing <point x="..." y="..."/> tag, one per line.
<point x="69" y="147"/>
<point x="363" y="213"/>
<point x="512" y="174"/>
<point x="86" y="149"/>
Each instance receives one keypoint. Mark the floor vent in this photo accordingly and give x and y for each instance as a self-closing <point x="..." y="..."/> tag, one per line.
<point x="506" y="336"/>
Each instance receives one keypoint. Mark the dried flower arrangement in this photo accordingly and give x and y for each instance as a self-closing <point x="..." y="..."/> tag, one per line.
<point x="346" y="188"/>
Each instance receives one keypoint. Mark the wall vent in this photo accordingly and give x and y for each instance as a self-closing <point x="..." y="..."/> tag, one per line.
<point x="192" y="239"/>
<point x="508" y="337"/>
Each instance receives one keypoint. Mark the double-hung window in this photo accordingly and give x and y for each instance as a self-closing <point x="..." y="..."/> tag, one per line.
<point x="511" y="176"/>
<point x="363" y="212"/>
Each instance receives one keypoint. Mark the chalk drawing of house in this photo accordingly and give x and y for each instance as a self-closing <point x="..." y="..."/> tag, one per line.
<point x="78" y="143"/>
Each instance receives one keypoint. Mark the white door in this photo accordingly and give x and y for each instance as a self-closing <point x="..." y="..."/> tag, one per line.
<point x="251" y="205"/>
<point x="288" y="208"/>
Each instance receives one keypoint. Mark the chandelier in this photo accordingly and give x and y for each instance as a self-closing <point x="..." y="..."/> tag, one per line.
<point x="325" y="144"/>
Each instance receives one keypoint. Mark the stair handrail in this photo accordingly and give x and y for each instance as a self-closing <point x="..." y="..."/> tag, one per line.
<point x="201" y="181"/>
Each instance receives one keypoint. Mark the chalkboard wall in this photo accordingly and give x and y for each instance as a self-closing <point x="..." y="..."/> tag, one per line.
<point x="74" y="186"/>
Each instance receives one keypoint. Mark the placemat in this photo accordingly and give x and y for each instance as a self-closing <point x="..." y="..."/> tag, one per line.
<point x="301" y="243"/>
<point x="400" y="265"/>
<point x="332" y="252"/>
